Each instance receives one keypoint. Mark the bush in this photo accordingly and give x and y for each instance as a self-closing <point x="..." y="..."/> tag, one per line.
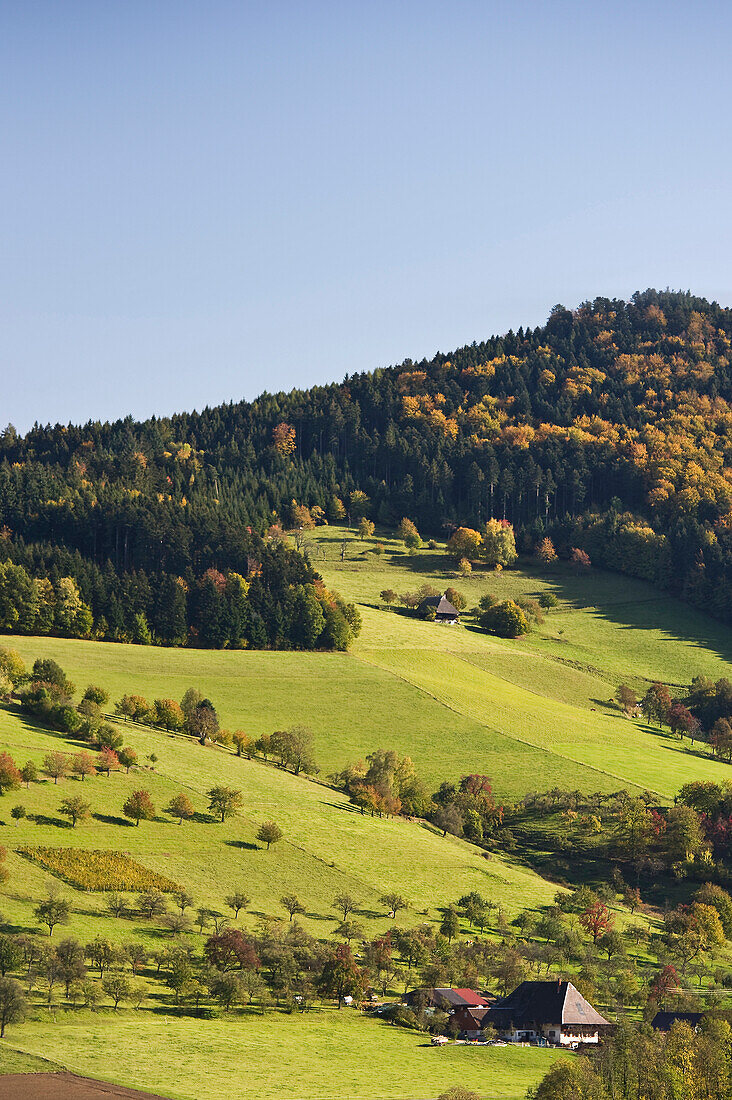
<point x="402" y="1016"/>
<point x="505" y="620"/>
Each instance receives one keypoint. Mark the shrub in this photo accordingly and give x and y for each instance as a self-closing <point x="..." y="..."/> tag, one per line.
<point x="506" y="620"/>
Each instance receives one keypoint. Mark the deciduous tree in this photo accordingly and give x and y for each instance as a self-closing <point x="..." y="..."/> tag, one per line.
<point x="138" y="806"/>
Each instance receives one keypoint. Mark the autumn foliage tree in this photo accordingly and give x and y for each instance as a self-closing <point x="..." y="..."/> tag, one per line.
<point x="139" y="807"/>
<point x="10" y="776"/>
<point x="283" y="437"/>
<point x="341" y="975"/>
<point x="596" y="920"/>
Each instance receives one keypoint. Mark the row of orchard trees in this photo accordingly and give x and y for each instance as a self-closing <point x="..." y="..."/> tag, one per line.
<point x="46" y="692"/>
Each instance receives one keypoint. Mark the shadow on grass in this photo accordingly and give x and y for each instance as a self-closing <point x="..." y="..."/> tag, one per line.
<point x="44" y="819"/>
<point x="202" y="818"/>
<point x="642" y="607"/>
<point x="111" y="819"/>
<point x="244" y="844"/>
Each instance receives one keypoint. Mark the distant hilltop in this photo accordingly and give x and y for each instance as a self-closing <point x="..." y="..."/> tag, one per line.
<point x="607" y="430"/>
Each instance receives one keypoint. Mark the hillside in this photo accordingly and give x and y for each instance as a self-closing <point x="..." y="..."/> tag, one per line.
<point x="606" y="428"/>
<point x="531" y="713"/>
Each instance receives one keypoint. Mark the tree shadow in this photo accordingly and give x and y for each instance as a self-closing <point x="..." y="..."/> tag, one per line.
<point x="642" y="607"/>
<point x="44" y="819"/>
<point x="244" y="844"/>
<point x="111" y="819"/>
<point x="608" y="705"/>
<point x="202" y="818"/>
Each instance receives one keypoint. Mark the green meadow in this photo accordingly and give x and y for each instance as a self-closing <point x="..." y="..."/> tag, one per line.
<point x="320" y="1055"/>
<point x="532" y="714"/>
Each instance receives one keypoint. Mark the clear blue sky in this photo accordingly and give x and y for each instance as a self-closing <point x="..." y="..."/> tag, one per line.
<point x="199" y="201"/>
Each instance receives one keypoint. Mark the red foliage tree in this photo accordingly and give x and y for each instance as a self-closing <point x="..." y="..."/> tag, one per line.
<point x="229" y="949"/>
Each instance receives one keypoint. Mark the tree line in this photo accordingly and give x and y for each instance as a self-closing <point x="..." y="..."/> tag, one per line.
<point x="604" y="429"/>
<point x="279" y="602"/>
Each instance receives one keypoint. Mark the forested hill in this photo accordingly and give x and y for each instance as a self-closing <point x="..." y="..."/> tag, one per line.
<point x="608" y="428"/>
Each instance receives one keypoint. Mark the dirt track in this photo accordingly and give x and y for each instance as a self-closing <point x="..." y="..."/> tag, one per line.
<point x="65" y="1086"/>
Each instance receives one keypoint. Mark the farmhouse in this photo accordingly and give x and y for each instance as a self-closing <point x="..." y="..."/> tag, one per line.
<point x="553" y="1011"/>
<point x="444" y="611"/>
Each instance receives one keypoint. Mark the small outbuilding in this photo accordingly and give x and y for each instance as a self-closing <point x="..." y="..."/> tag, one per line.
<point x="445" y="612"/>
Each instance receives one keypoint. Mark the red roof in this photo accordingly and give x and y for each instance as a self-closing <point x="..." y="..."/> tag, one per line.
<point x="470" y="997"/>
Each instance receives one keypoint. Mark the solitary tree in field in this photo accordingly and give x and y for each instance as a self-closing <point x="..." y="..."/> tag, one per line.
<point x="345" y="904"/>
<point x="656" y="703"/>
<point x="29" y="773"/>
<point x="12" y="1003"/>
<point x="394" y="903"/>
<point x="18" y="813"/>
<point x="409" y="534"/>
<point x="627" y="698"/>
<point x="365" y="528"/>
<point x="75" y="808"/>
<point x="292" y="904"/>
<point x="83" y="765"/>
<point x="269" y="833"/>
<point x="108" y="761"/>
<point x="203" y="918"/>
<point x="52" y="911"/>
<point x="224" y="801"/>
<point x="465" y="543"/>
<point x="349" y="930"/>
<point x="237" y="901"/>
<point x="139" y="807"/>
<point x="545" y="552"/>
<point x="117" y="988"/>
<point x="597" y="920"/>
<point x="389" y="596"/>
<point x="127" y="758"/>
<point x="152" y="903"/>
<point x="9" y="775"/>
<point x="56" y="765"/>
<point x="180" y="806"/>
<point x="183" y="900"/>
<point x="450" y="924"/>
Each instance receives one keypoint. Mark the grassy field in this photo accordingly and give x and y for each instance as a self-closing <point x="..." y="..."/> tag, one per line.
<point x="328" y="847"/>
<point x="532" y="713"/>
<point x="325" y="1055"/>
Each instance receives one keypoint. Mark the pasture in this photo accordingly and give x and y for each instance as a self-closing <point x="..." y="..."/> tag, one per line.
<point x="532" y="714"/>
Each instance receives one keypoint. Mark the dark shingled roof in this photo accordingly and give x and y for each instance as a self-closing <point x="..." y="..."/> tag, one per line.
<point x="538" y="1003"/>
<point x="662" y="1021"/>
<point x="441" y="605"/>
